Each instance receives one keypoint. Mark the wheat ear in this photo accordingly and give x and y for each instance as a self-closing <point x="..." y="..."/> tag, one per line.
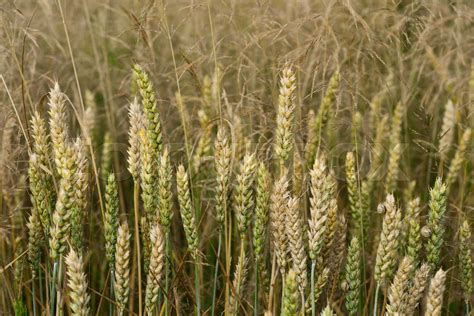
<point x="111" y="219"/>
<point x="278" y="208"/>
<point x="122" y="267"/>
<point x="436" y="219"/>
<point x="397" y="293"/>
<point x="415" y="293"/>
<point x="285" y="116"/>
<point x="155" y="269"/>
<point x="389" y="242"/>
<point x="353" y="277"/>
<point x="434" y="302"/>
<point x="77" y="283"/>
<point x="465" y="260"/>
<point x="243" y="193"/>
<point x="294" y="231"/>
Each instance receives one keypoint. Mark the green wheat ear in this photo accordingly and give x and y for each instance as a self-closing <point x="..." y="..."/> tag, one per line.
<point x="185" y="206"/>
<point x="353" y="277"/>
<point x="149" y="102"/>
<point x="465" y="259"/>
<point x="111" y="218"/>
<point x="436" y="223"/>
<point x="291" y="295"/>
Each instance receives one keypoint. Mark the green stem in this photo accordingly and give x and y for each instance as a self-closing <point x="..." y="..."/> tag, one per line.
<point x="196" y="286"/>
<point x="111" y="293"/>
<point x="376" y="299"/>
<point x="40" y="277"/>
<point x="52" y="303"/>
<point x="216" y="272"/>
<point x="255" y="302"/>
<point x="167" y="271"/>
<point x="313" y="300"/>
<point x="136" y="207"/>
<point x="282" y="303"/>
<point x="58" y="287"/>
<point x="33" y="296"/>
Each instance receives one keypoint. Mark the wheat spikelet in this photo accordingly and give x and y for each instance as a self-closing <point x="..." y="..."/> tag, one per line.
<point x="315" y="125"/>
<point x="285" y="116"/>
<point x="322" y="190"/>
<point x="290" y="297"/>
<point x="122" y="267"/>
<point x="339" y="246"/>
<point x="436" y="219"/>
<point x="185" y="206"/>
<point x="395" y="149"/>
<point x="397" y="293"/>
<point x="145" y="239"/>
<point x="412" y="227"/>
<point x="148" y="179"/>
<point x="137" y="123"/>
<point x="359" y="221"/>
<point x="262" y="197"/>
<point x="35" y="241"/>
<point x="278" y="208"/>
<point x="164" y="191"/>
<point x="111" y="218"/>
<point x="376" y="103"/>
<point x="298" y="173"/>
<point x="106" y="158"/>
<point x="415" y="293"/>
<point x="294" y="231"/>
<point x="353" y="277"/>
<point x="458" y="158"/>
<point x="80" y="195"/>
<point x="243" y="193"/>
<point x="434" y="302"/>
<point x="89" y="118"/>
<point x="155" y="269"/>
<point x="331" y="228"/>
<point x="240" y="276"/>
<point x="204" y="147"/>
<point x="222" y="158"/>
<point x="327" y="311"/>
<point x="77" y="283"/>
<point x="58" y="126"/>
<point x="149" y="102"/>
<point x="60" y="226"/>
<point x="41" y="181"/>
<point x="446" y="134"/>
<point x="465" y="259"/>
<point x="389" y="242"/>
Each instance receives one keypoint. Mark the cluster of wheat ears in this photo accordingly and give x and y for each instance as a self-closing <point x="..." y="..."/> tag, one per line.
<point x="319" y="255"/>
<point x="278" y="157"/>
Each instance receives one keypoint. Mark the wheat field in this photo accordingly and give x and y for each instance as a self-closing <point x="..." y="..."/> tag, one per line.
<point x="236" y="157"/>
